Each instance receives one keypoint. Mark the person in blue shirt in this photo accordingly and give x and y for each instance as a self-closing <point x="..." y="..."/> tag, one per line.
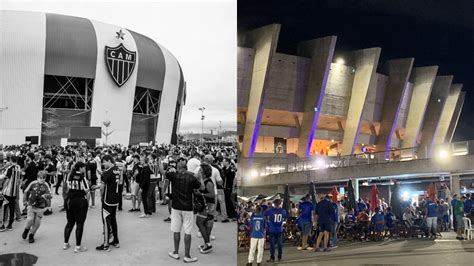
<point x="325" y="221"/>
<point x="334" y="225"/>
<point x="468" y="204"/>
<point x="390" y="219"/>
<point x="257" y="235"/>
<point x="350" y="218"/>
<point x="305" y="220"/>
<point x="378" y="223"/>
<point x="276" y="216"/>
<point x="431" y="210"/>
<point x="360" y="206"/>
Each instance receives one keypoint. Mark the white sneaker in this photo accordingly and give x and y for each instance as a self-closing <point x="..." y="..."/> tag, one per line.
<point x="80" y="249"/>
<point x="143" y="216"/>
<point x="188" y="260"/>
<point x="66" y="246"/>
<point x="173" y="255"/>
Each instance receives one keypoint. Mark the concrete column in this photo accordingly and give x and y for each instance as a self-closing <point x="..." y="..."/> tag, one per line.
<point x="321" y="52"/>
<point x="366" y="61"/>
<point x="398" y="71"/>
<point x="454" y="121"/>
<point x="435" y="106"/>
<point x="264" y="41"/>
<point x="455" y="185"/>
<point x="355" y="183"/>
<point x="423" y="79"/>
<point x="447" y="114"/>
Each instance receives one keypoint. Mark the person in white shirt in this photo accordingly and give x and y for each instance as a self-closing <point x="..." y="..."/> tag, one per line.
<point x="194" y="162"/>
<point x="128" y="171"/>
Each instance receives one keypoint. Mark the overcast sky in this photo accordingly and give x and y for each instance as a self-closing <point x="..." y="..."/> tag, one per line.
<point x="201" y="34"/>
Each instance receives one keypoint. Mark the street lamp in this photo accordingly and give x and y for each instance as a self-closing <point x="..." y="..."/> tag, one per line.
<point x="202" y="123"/>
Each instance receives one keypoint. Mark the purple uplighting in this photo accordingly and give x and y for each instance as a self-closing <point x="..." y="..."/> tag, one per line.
<point x="319" y="104"/>
<point x="394" y="124"/>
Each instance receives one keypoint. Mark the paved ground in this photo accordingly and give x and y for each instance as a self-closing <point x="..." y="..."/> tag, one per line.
<point x="143" y="241"/>
<point x="443" y="251"/>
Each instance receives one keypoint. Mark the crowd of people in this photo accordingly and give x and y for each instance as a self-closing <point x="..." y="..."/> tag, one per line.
<point x="317" y="226"/>
<point x="197" y="182"/>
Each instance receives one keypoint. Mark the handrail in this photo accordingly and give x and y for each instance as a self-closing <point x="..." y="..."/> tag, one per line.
<point x="296" y="164"/>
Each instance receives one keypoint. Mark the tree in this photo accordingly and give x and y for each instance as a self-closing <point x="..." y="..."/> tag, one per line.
<point x="107" y="133"/>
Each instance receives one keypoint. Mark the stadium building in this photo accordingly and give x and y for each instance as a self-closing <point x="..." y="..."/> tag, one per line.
<point x="326" y="116"/>
<point x="65" y="77"/>
<point x="327" y="102"/>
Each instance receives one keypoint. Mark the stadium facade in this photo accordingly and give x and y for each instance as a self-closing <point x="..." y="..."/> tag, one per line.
<point x="60" y="72"/>
<point x="327" y="102"/>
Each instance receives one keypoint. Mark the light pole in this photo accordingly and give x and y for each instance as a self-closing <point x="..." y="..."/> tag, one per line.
<point x="220" y="132"/>
<point x="202" y="123"/>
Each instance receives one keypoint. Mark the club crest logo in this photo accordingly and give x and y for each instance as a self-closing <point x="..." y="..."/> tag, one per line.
<point x="120" y="63"/>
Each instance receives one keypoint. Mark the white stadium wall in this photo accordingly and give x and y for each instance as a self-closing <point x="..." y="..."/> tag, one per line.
<point x="22" y="59"/>
<point x="111" y="102"/>
<point x="168" y="98"/>
<point x="27" y="55"/>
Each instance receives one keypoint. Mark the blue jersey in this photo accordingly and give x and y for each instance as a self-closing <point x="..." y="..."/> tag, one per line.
<point x="378" y="220"/>
<point x="276" y="216"/>
<point x="325" y="212"/>
<point x="350" y="218"/>
<point x="468" y="206"/>
<point x="306" y="209"/>
<point x="361" y="206"/>
<point x="336" y="212"/>
<point x="389" y="219"/>
<point x="432" y="209"/>
<point x="257" y="223"/>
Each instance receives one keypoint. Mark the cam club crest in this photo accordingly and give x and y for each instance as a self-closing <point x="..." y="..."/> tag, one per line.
<point x="120" y="63"/>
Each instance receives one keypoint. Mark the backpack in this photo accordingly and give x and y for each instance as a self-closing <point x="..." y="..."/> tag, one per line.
<point x="36" y="198"/>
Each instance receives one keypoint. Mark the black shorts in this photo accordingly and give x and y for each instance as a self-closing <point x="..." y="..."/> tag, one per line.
<point x="324" y="227"/>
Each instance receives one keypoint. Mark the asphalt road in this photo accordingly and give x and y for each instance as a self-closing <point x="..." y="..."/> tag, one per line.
<point x="444" y="251"/>
<point x="143" y="241"/>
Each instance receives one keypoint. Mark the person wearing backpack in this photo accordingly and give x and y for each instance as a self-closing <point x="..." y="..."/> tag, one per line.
<point x="35" y="198"/>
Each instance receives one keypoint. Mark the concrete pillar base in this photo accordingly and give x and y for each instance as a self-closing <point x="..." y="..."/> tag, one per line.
<point x="455" y="185"/>
<point x="355" y="183"/>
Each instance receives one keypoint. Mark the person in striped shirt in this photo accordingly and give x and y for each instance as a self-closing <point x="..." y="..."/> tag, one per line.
<point x="11" y="189"/>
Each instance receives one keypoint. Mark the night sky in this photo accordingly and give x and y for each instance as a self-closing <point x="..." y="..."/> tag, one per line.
<point x="434" y="32"/>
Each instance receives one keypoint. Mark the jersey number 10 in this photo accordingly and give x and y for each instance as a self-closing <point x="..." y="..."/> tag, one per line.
<point x="278" y="218"/>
